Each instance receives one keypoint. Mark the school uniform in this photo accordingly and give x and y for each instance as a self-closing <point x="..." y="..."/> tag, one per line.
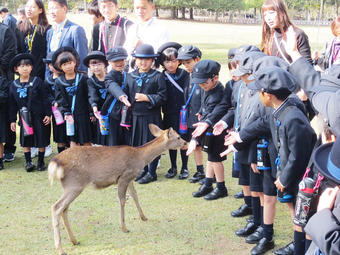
<point x="4" y="94"/>
<point x="59" y="131"/>
<point x="107" y="35"/>
<point x="118" y="135"/>
<point x="175" y="98"/>
<point x="64" y="92"/>
<point x="33" y="95"/>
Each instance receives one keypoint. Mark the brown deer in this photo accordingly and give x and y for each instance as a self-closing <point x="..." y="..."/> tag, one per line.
<point x="77" y="167"/>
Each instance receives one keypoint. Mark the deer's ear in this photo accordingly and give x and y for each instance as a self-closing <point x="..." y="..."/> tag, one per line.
<point x="170" y="132"/>
<point x="155" y="131"/>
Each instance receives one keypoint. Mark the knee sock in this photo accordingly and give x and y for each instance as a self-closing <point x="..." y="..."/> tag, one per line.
<point x="41" y="156"/>
<point x="173" y="158"/>
<point x="262" y="216"/>
<point x="61" y="149"/>
<point x="200" y="168"/>
<point x="299" y="242"/>
<point x="255" y="202"/>
<point x="307" y="244"/>
<point x="268" y="231"/>
<point x="247" y="200"/>
<point x="208" y="182"/>
<point x="221" y="185"/>
<point x="153" y="166"/>
<point x="28" y="157"/>
<point x="184" y="158"/>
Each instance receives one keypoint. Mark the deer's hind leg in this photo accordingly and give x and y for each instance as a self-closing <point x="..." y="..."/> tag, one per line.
<point x="58" y="210"/>
<point x="68" y="228"/>
<point x="122" y="187"/>
<point x="133" y="194"/>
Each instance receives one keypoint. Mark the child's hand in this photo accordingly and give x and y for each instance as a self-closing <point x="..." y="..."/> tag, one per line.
<point x="230" y="138"/>
<point x="47" y="120"/>
<point x="96" y="112"/>
<point x="327" y="198"/>
<point x="254" y="168"/>
<point x="191" y="147"/>
<point x="55" y="105"/>
<point x="13" y="126"/>
<point x="278" y="185"/>
<point x="93" y="118"/>
<point x="227" y="151"/>
<point x="199" y="116"/>
<point x="125" y="101"/>
<point x="200" y="128"/>
<point x="219" y="127"/>
<point x="141" y="97"/>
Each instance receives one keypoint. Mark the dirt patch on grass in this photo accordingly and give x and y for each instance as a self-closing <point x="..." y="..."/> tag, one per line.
<point x="224" y="246"/>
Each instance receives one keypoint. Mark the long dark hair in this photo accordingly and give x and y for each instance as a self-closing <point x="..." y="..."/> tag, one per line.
<point x="284" y="22"/>
<point x="26" y="26"/>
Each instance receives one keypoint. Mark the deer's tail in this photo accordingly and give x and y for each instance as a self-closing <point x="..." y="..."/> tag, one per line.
<point x="55" y="171"/>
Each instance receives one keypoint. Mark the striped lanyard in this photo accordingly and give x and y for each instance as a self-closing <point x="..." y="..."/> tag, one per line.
<point x="31" y="39"/>
<point x="102" y="31"/>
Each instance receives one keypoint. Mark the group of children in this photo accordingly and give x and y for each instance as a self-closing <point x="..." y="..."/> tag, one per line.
<point x="115" y="108"/>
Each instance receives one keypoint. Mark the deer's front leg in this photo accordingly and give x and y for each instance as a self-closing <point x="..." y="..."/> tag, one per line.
<point x="122" y="187"/>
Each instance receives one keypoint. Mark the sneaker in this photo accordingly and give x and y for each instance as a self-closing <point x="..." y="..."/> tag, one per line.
<point x="8" y="157"/>
<point x="34" y="152"/>
<point x="48" y="151"/>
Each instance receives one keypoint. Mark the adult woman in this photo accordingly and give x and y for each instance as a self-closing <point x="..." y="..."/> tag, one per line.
<point x="330" y="53"/>
<point x="274" y="28"/>
<point x="32" y="35"/>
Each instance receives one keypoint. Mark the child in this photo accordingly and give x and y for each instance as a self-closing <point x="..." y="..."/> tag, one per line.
<point x="4" y="89"/>
<point x="206" y="74"/>
<point x="293" y="138"/>
<point x="29" y="92"/>
<point x="177" y="80"/>
<point x="72" y="95"/>
<point x="146" y="90"/>
<point x="97" y="63"/>
<point x="190" y="55"/>
<point x="59" y="131"/>
<point x="115" y="81"/>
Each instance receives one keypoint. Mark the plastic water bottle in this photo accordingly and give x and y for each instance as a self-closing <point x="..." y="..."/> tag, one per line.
<point x="57" y="116"/>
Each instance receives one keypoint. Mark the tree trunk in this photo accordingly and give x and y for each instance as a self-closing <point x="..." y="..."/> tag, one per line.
<point x="183" y="12"/>
<point x="173" y="12"/>
<point x="254" y="13"/>
<point x="216" y="15"/>
<point x="336" y="7"/>
<point x="157" y="13"/>
<point x="321" y="9"/>
<point x="176" y="13"/>
<point x="191" y="13"/>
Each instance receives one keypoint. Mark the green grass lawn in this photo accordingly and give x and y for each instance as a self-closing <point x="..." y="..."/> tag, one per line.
<point x="178" y="223"/>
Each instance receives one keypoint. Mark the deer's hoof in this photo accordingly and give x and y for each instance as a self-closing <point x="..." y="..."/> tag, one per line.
<point x="125" y="230"/>
<point x="75" y="242"/>
<point x="63" y="253"/>
<point x="143" y="218"/>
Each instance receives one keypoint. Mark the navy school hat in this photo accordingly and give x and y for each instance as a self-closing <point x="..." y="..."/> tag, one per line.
<point x="246" y="62"/>
<point x="268" y="61"/>
<point x="144" y="51"/>
<point x="95" y="55"/>
<point x="231" y="53"/>
<point x="163" y="47"/>
<point x="61" y="50"/>
<point x="116" y="53"/>
<point x="273" y="80"/>
<point x="204" y="70"/>
<point x="331" y="76"/>
<point x="188" y="52"/>
<point x="327" y="161"/>
<point x="48" y="58"/>
<point x="20" y="57"/>
<point x="245" y="48"/>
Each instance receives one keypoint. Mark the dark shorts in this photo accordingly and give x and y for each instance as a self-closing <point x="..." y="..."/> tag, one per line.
<point x="243" y="178"/>
<point x="216" y="149"/>
<point x="256" y="181"/>
<point x="269" y="187"/>
<point x="187" y="137"/>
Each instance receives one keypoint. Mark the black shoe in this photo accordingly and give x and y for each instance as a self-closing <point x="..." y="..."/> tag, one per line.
<point x="247" y="230"/>
<point x="8" y="157"/>
<point x="250" y="218"/>
<point x="256" y="236"/>
<point x="201" y="182"/>
<point x="141" y="175"/>
<point x="239" y="195"/>
<point x="197" y="177"/>
<point x="184" y="174"/>
<point x="244" y="210"/>
<point x="171" y="173"/>
<point x="216" y="194"/>
<point x="29" y="167"/>
<point x="263" y="246"/>
<point x="286" y="250"/>
<point x="41" y="167"/>
<point x="202" y="191"/>
<point x="147" y="179"/>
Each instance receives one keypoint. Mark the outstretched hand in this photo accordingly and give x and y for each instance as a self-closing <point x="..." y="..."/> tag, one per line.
<point x="290" y="43"/>
<point x="230" y="138"/>
<point x="218" y="128"/>
<point x="226" y="152"/>
<point x="200" y="128"/>
<point x="191" y="147"/>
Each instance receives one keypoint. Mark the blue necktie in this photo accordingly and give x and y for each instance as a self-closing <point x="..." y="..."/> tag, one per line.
<point x="102" y="93"/>
<point x="22" y="92"/>
<point x="139" y="80"/>
<point x="71" y="90"/>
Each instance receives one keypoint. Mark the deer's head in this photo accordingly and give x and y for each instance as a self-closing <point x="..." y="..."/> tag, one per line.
<point x="172" y="138"/>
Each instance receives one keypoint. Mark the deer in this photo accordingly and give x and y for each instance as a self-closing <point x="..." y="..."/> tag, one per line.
<point x="102" y="167"/>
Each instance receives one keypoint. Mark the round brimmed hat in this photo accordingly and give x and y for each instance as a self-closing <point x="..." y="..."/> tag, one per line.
<point x="95" y="55"/>
<point x="20" y="57"/>
<point x="175" y="45"/>
<point x="188" y="52"/>
<point x="327" y="161"/>
<point x="204" y="70"/>
<point x="144" y="51"/>
<point x="61" y="50"/>
<point x="48" y="58"/>
<point x="116" y="53"/>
